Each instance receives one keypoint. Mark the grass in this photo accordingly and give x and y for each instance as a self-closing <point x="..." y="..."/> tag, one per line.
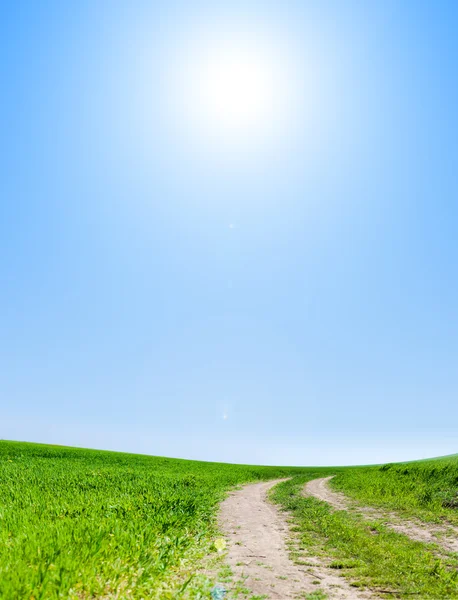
<point x="424" y="489"/>
<point x="80" y="523"/>
<point x="83" y="524"/>
<point x="367" y="553"/>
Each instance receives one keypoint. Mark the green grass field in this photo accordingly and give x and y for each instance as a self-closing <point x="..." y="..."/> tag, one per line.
<point x="87" y="524"/>
<point x="427" y="489"/>
<point x="83" y="524"/>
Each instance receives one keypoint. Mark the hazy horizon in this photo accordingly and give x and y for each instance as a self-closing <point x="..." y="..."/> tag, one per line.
<point x="98" y="449"/>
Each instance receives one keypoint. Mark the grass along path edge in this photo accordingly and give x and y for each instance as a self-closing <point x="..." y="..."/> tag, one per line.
<point x="414" y="529"/>
<point x="425" y="490"/>
<point x="369" y="554"/>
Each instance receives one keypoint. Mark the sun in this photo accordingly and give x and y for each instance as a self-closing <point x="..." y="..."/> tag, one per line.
<point x="232" y="90"/>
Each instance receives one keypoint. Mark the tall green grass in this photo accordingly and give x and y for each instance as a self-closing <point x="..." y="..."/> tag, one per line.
<point x="426" y="489"/>
<point x="89" y="524"/>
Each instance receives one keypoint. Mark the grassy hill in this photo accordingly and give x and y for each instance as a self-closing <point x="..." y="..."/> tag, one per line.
<point x="80" y="524"/>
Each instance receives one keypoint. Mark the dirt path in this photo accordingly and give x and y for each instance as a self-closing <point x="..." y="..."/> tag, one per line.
<point x="446" y="537"/>
<point x="256" y="533"/>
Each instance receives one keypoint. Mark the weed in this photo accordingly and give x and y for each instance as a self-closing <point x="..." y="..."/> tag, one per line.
<point x="318" y="595"/>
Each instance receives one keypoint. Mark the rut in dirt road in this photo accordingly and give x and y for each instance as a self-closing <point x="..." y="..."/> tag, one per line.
<point x="256" y="533"/>
<point x="446" y="537"/>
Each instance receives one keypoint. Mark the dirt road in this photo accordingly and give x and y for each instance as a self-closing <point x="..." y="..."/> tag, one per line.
<point x="446" y="537"/>
<point x="257" y="533"/>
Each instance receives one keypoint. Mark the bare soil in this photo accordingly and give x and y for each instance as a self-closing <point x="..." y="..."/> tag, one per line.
<point x="257" y="534"/>
<point x="444" y="536"/>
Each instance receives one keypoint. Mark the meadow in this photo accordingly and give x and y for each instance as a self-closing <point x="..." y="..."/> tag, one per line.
<point x="81" y="524"/>
<point x="426" y="489"/>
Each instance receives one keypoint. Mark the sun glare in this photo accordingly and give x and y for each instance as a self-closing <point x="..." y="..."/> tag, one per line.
<point x="232" y="91"/>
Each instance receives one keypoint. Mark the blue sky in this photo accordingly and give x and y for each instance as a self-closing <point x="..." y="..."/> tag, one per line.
<point x="290" y="305"/>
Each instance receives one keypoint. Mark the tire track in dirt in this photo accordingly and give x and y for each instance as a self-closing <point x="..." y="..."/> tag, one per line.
<point x="256" y="533"/>
<point x="444" y="536"/>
